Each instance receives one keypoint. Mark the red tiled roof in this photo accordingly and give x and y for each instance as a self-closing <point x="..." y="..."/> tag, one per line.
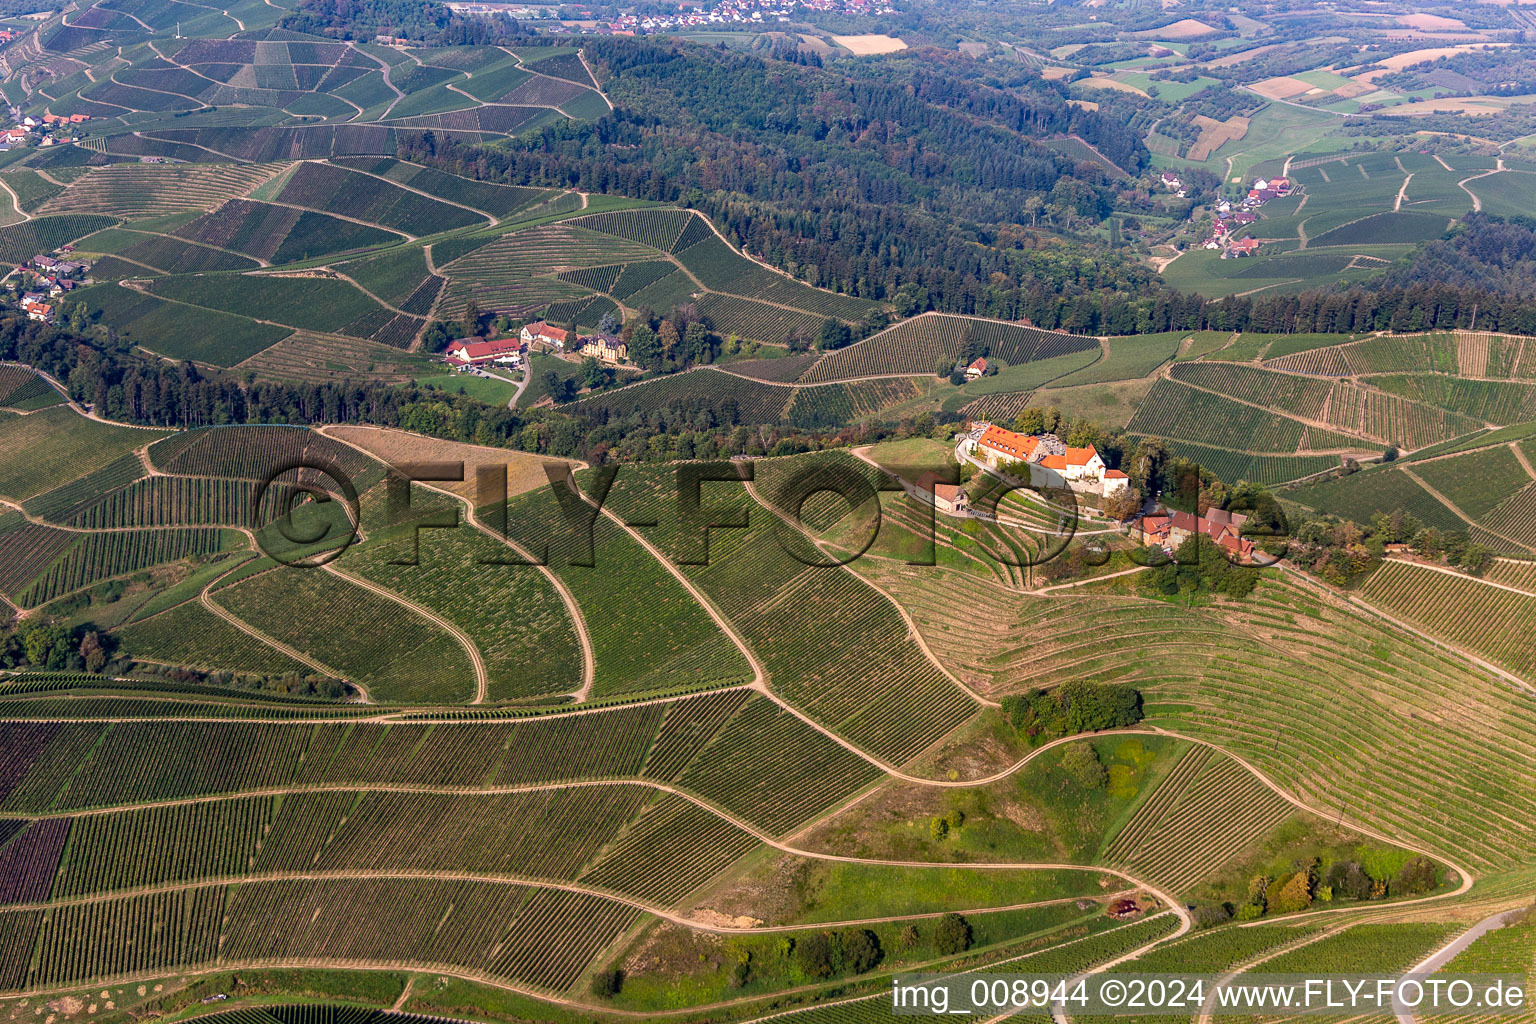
<point x="1080" y="456"/>
<point x="488" y="349"/>
<point x="979" y="364"/>
<point x="1054" y="462"/>
<point x="1016" y="446"/>
<point x="1114" y="474"/>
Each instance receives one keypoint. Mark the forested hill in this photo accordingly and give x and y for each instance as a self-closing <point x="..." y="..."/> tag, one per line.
<point x="876" y="174"/>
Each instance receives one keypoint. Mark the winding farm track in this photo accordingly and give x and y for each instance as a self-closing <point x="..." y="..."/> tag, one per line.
<point x="578" y="620"/>
<point x="482" y="678"/>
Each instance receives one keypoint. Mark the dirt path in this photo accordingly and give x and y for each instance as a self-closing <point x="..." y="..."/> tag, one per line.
<point x="1477" y="202"/>
<point x="206" y="600"/>
<point x="578" y="620"/>
<point x="482" y="678"/>
<point x="582" y="56"/>
<point x="1442" y="499"/>
<point x="1402" y="193"/>
<point x="15" y="200"/>
<point x="1095" y="579"/>
<point x="1525" y="463"/>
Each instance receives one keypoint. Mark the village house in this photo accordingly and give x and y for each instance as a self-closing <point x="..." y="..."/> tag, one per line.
<point x="1051" y="463"/>
<point x="1169" y="530"/>
<point x="547" y="334"/>
<point x="41" y="311"/>
<point x="950" y="499"/>
<point x="1241" y="247"/>
<point x="606" y="347"/>
<point x="976" y="369"/>
<point x="468" y="352"/>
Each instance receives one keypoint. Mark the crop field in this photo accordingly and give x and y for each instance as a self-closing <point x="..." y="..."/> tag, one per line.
<point x="721" y="269"/>
<point x="832" y="405"/>
<point x="168" y="255"/>
<point x="1361" y="495"/>
<point x="177" y="330"/>
<point x="99" y="556"/>
<point x="914" y="346"/>
<point x="407" y="658"/>
<point x="148" y="190"/>
<point x="1465" y="353"/>
<point x="40" y="451"/>
<point x="1287" y="393"/>
<point x="1476" y="482"/>
<point x="512" y="613"/>
<point x="191" y="635"/>
<point x="1231" y="466"/>
<point x="1128" y="358"/>
<point x="279" y="233"/>
<point x="1490" y="401"/>
<point x="1260" y="658"/>
<point x="19" y="242"/>
<point x="1390" y="418"/>
<point x="1183" y="413"/>
<point x="1208" y="809"/>
<point x="336" y="190"/>
<point x="22" y="389"/>
<point x="313" y="303"/>
<point x="502" y="274"/>
<point x="1486" y="620"/>
<point x="253" y="452"/>
<point x="496" y="200"/>
<point x="779" y="604"/>
<point x="735" y="399"/>
<point x="647" y="632"/>
<point x="1516" y="517"/>
<point x="308" y="358"/>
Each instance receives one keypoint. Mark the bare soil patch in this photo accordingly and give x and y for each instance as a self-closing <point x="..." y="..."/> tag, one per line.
<point x="397" y="447"/>
<point x="1280" y="88"/>
<point x="868" y="45"/>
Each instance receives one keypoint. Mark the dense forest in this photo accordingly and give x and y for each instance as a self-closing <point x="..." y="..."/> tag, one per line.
<point x="424" y="21"/>
<point x="864" y="178"/>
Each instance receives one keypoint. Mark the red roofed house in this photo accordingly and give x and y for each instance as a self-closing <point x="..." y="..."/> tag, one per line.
<point x="977" y="369"/>
<point x="1051" y="463"/>
<point x="998" y="446"/>
<point x="1244" y="246"/>
<point x="1169" y="531"/>
<point x="949" y="498"/>
<point x="473" y="353"/>
<point x="549" y="334"/>
<point x="40" y="311"/>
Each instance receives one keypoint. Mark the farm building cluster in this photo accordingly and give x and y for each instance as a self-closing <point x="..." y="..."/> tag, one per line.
<point x="48" y="130"/>
<point x="475" y="352"/>
<point x="1229" y="218"/>
<point x="45" y="279"/>
<point x="1051" y="463"/>
<point x="1168" y="530"/>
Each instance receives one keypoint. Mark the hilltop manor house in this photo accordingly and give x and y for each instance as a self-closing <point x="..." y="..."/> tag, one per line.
<point x="1051" y="463"/>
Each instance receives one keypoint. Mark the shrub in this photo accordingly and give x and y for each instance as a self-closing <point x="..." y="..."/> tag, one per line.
<point x="1418" y="875"/>
<point x="813" y="955"/>
<point x="861" y="950"/>
<point x="1082" y="762"/>
<point x="606" y="984"/>
<point x="952" y="935"/>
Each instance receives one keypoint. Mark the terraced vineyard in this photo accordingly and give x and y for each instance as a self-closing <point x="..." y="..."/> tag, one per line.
<point x="1208" y="809"/>
<point x="913" y="346"/>
<point x="150" y="190"/>
<point x="1183" y="413"/>
<point x="1483" y="619"/>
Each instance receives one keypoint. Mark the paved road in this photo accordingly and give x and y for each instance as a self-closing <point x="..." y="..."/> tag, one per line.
<point x="1444" y="955"/>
